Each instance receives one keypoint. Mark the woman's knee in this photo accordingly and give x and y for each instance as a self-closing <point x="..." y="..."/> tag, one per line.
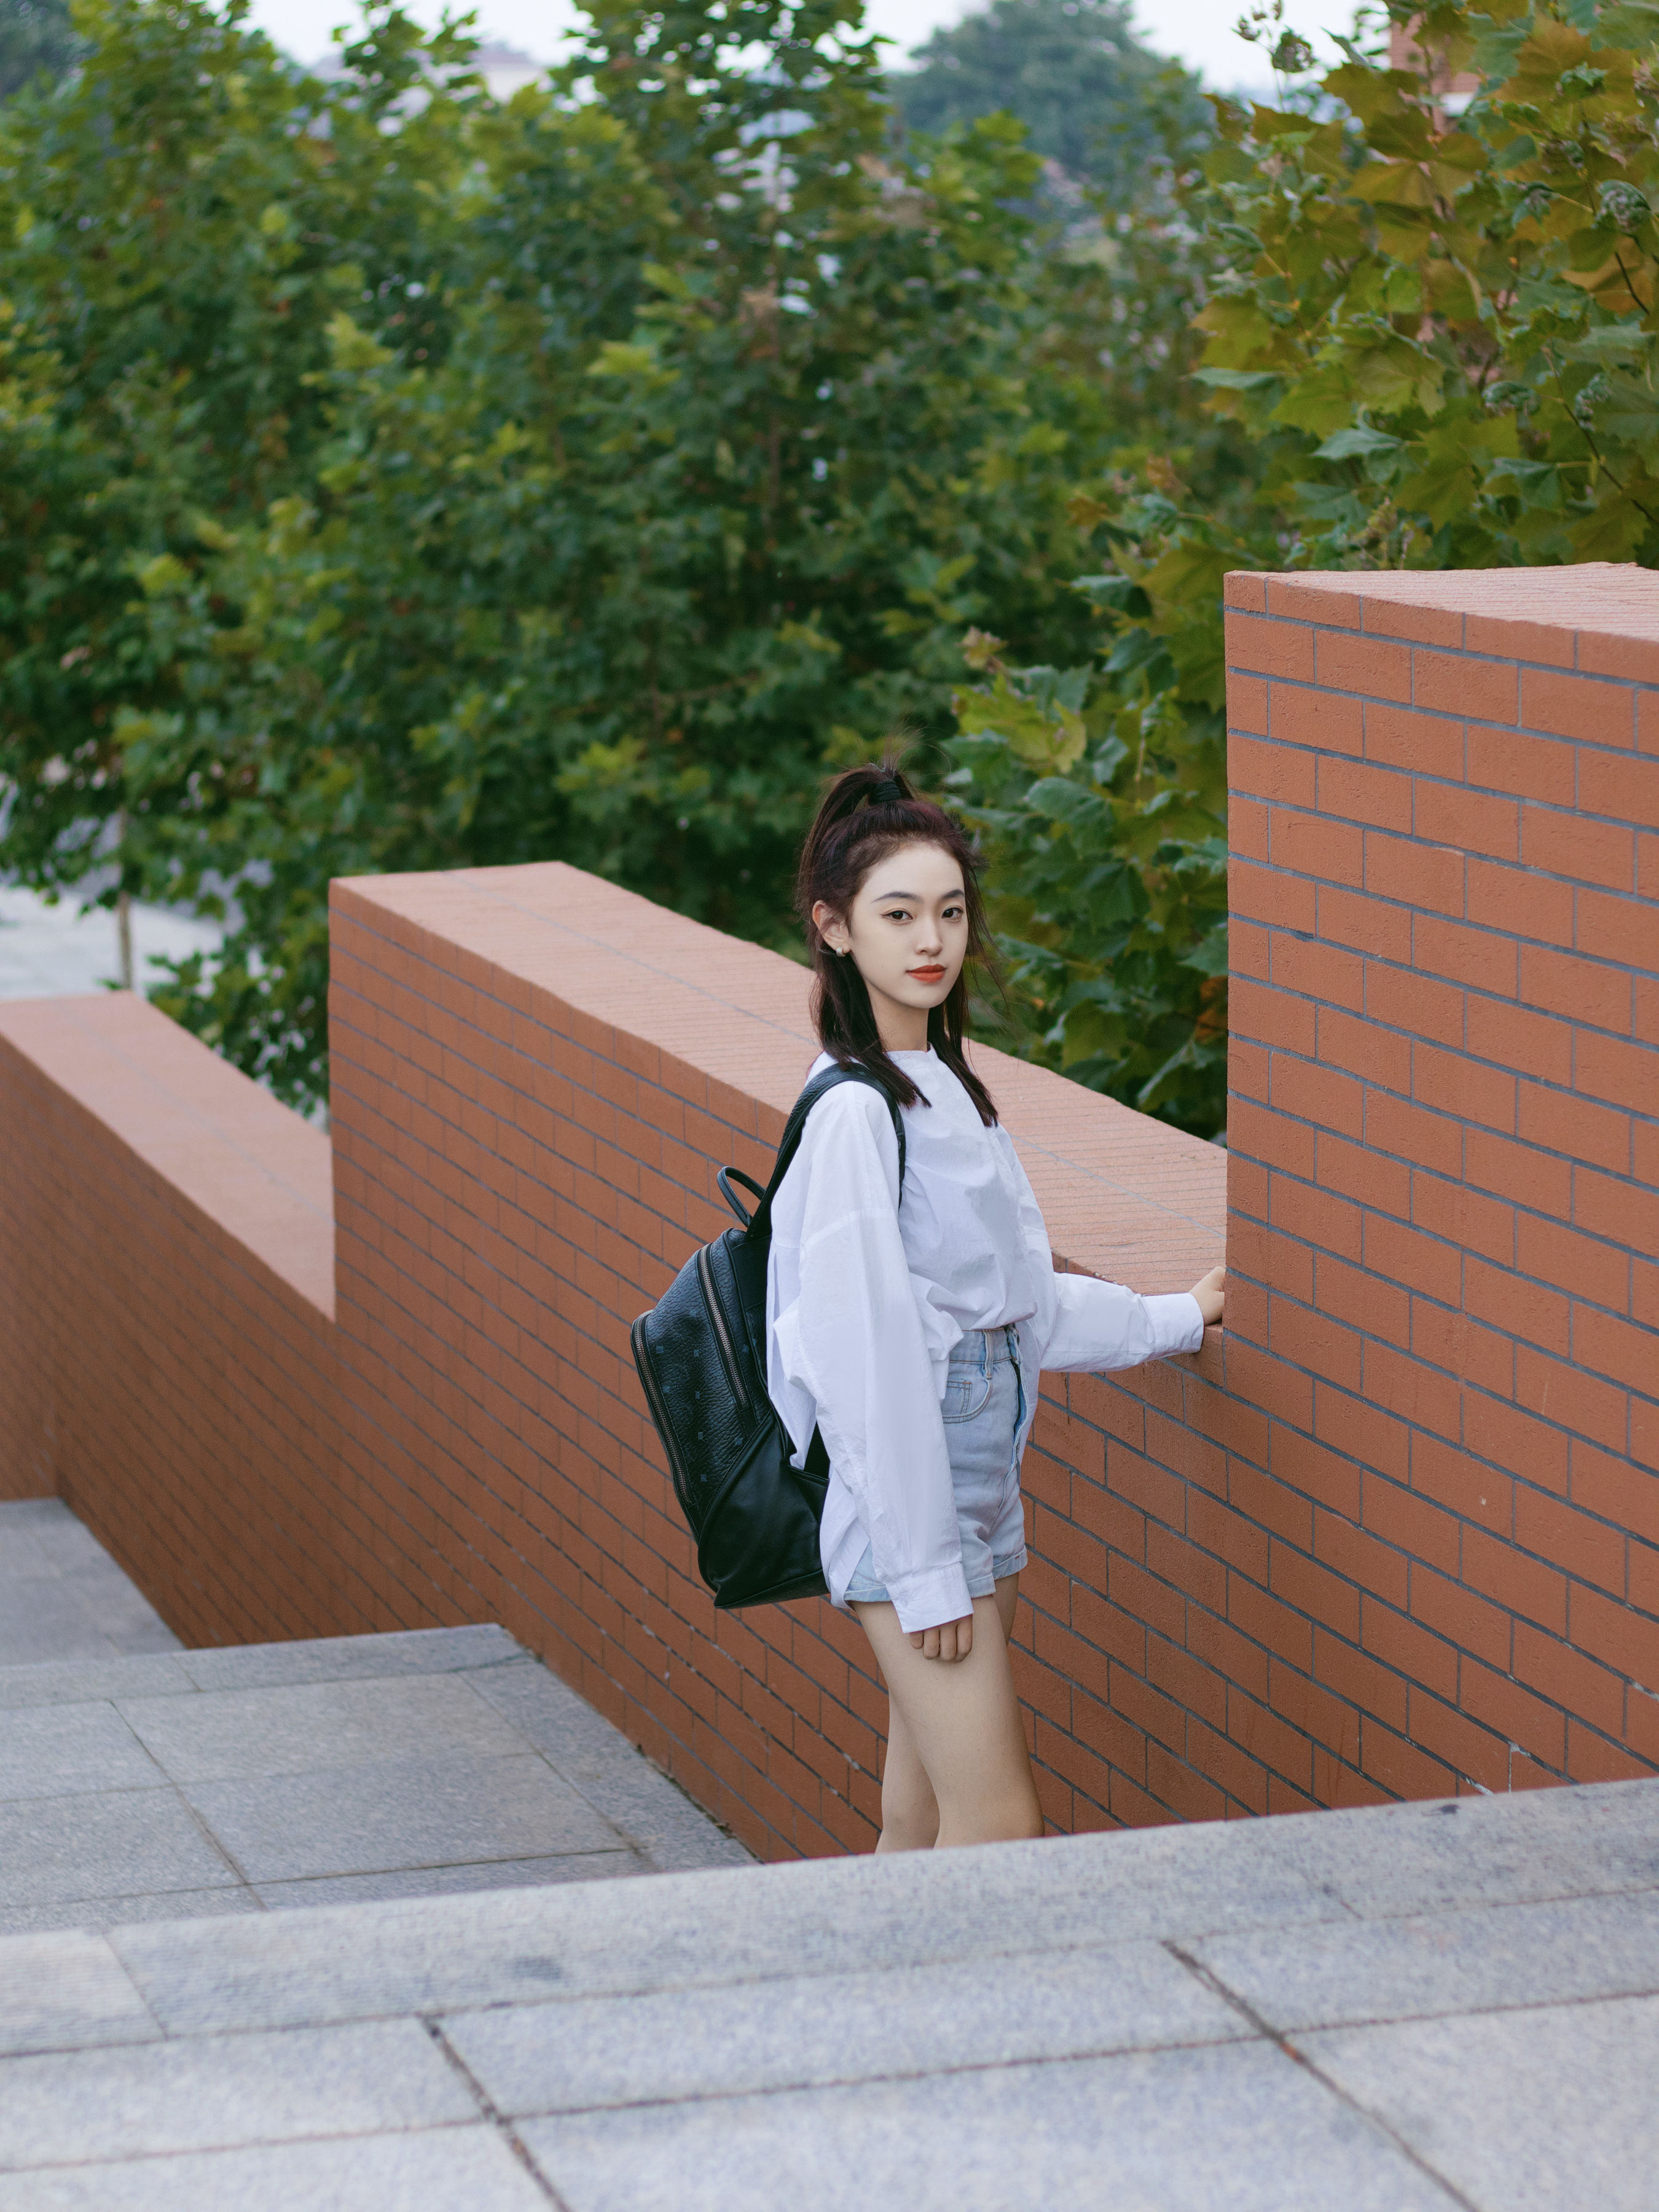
<point x="909" y="1810"/>
<point x="907" y="1832"/>
<point x="1007" y="1816"/>
<point x="1023" y="1820"/>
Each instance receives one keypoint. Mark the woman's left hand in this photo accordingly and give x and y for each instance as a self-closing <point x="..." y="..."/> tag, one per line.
<point x="1211" y="1293"/>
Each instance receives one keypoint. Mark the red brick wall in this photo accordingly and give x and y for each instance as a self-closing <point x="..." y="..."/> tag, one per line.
<point x="536" y="1079"/>
<point x="167" y="1341"/>
<point x="1394" y="1533"/>
<point x="1445" y="1186"/>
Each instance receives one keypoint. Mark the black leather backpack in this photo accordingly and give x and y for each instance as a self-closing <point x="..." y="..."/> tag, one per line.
<point x="702" y="1357"/>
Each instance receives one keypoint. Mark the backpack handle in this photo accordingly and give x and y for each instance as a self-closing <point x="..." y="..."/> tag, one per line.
<point x="759" y="1223"/>
<point x="725" y="1180"/>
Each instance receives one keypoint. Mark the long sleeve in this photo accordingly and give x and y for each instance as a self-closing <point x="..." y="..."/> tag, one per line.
<point x="849" y="1346"/>
<point x="1083" y="1324"/>
<point x="1097" y="1327"/>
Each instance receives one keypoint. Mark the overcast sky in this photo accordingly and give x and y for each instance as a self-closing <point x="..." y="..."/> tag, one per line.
<point x="1200" y="32"/>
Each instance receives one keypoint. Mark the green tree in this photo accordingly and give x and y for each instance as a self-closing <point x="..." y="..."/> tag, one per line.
<point x="182" y="222"/>
<point x="1436" y="333"/>
<point x="1093" y="98"/>
<point x="36" y="39"/>
<point x="1438" y="326"/>
<point x="645" y="448"/>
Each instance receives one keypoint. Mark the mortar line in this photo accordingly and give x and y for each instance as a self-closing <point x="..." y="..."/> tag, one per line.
<point x="493" y="2113"/>
<point x="1213" y="1982"/>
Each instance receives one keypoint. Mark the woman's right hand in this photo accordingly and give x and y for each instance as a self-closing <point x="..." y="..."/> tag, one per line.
<point x="952" y="1639"/>
<point x="1211" y="1293"/>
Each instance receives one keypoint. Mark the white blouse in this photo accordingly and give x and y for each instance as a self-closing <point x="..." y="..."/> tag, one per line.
<point x="865" y="1298"/>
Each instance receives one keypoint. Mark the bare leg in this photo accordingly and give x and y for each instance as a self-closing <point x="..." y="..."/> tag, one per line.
<point x="909" y="1810"/>
<point x="957" y="1771"/>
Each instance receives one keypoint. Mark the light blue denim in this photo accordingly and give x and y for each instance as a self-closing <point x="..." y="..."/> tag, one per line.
<point x="984" y="1410"/>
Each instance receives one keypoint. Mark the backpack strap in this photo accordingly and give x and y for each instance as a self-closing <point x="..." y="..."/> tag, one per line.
<point x="795" y="1128"/>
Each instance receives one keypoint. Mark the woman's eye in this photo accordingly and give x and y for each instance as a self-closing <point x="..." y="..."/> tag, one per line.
<point x="899" y="914"/>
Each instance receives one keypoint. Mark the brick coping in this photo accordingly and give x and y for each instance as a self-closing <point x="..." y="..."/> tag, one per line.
<point x="1599" y="617"/>
<point x="725" y="1023"/>
<point x="252" y="1167"/>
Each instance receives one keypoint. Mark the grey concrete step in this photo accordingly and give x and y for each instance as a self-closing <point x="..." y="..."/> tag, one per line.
<point x="1426" y="2006"/>
<point x="185" y="1783"/>
<point x="62" y="1596"/>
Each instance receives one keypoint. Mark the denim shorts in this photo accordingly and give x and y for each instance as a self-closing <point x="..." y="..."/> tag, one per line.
<point x="984" y="1410"/>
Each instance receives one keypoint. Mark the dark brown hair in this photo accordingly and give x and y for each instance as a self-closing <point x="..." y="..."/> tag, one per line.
<point x="866" y="814"/>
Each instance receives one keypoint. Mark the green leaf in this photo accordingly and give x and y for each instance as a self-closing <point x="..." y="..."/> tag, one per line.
<point x="1356" y="443"/>
<point x="1113" y="595"/>
<point x="1237" y="380"/>
<point x="1537" y="483"/>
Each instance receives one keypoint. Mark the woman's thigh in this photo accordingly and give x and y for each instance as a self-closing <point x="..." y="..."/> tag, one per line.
<point x="1007" y="1604"/>
<point x="961" y="1721"/>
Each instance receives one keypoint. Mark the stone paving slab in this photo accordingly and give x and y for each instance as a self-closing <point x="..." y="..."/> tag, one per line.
<point x="667" y="2046"/>
<point x="1447" y="1962"/>
<point x="1237" y="2129"/>
<point x="214" y="2092"/>
<point x="407" y="1813"/>
<point x="267" y="1665"/>
<point x="314" y="1890"/>
<point x="47" y="1751"/>
<point x="1184" y="1883"/>
<point x="67" y="1990"/>
<point x="1532" y="1845"/>
<point x="1075" y="2022"/>
<point x="362" y="1955"/>
<point x="708" y="1930"/>
<point x="468" y="2169"/>
<point x="80" y="1681"/>
<point x="638" y="1797"/>
<point x="348" y="1658"/>
<point x="308" y="1727"/>
<point x="168" y="1905"/>
<point x="236" y="1781"/>
<point x="61" y="1850"/>
<point x="1551" y="2110"/>
<point x="62" y="1596"/>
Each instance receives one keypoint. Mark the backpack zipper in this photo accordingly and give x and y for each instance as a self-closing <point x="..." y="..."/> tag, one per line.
<point x="728" y="1356"/>
<point x="659" y="1410"/>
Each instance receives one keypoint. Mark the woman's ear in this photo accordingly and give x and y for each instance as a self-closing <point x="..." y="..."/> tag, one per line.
<point x="831" y="927"/>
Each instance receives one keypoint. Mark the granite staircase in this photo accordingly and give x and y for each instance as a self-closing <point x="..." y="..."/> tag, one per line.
<point x="334" y="1928"/>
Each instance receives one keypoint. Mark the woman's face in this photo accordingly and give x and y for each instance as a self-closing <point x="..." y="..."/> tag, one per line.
<point x="906" y="932"/>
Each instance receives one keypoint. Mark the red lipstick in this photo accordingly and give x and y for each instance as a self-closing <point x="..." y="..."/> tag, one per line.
<point x="927" y="974"/>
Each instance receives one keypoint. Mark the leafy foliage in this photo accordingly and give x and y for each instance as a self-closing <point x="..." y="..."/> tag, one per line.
<point x="36" y="39"/>
<point x="1435" y="332"/>
<point x="183" y="224"/>
<point x="1093" y="99"/>
<point x="390" y="479"/>
<point x="400" y="480"/>
<point x="1109" y="891"/>
<point x="1441" y="324"/>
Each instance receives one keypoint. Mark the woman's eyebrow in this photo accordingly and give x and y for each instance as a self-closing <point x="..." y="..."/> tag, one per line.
<point x="882" y="898"/>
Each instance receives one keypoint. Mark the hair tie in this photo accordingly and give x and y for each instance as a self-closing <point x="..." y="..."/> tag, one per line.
<point x="887" y="793"/>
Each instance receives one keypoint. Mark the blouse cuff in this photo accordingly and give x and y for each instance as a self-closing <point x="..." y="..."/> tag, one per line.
<point x="930" y="1597"/>
<point x="1176" y="1323"/>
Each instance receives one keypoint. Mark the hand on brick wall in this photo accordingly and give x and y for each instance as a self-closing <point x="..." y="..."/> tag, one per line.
<point x="1211" y="1292"/>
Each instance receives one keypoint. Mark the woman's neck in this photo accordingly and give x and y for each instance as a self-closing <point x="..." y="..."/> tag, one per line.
<point x="900" y="1028"/>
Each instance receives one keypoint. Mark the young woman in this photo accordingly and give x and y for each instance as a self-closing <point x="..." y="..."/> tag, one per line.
<point x="911" y="1330"/>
